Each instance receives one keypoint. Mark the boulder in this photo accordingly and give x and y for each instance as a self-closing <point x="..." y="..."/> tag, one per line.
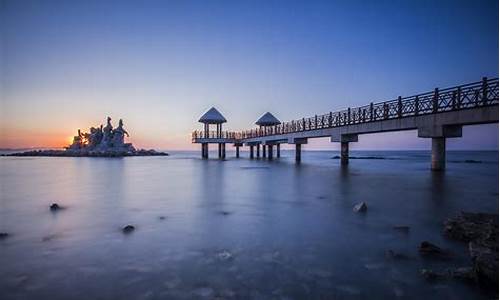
<point x="55" y="207"/>
<point x="471" y="226"/>
<point x="3" y="235"/>
<point x="429" y="249"/>
<point x="480" y="230"/>
<point x="360" y="207"/>
<point x="128" y="229"/>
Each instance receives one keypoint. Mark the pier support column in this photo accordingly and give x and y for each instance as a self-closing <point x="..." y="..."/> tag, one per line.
<point x="278" y="150"/>
<point x="297" y="152"/>
<point x="220" y="150"/>
<point x="258" y="150"/>
<point x="270" y="148"/>
<point x="264" y="151"/>
<point x="438" y="156"/>
<point x="251" y="151"/>
<point x="344" y="140"/>
<point x="344" y="153"/>
<point x="204" y="150"/>
<point x="223" y="150"/>
<point x="237" y="151"/>
<point x="439" y="134"/>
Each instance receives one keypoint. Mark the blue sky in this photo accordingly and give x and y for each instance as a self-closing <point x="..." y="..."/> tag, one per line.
<point x="160" y="64"/>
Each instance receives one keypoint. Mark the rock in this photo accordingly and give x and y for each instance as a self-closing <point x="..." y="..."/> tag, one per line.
<point x="55" y="207"/>
<point x="162" y="218"/>
<point x="3" y="235"/>
<point x="480" y="230"/>
<point x="128" y="229"/>
<point x="427" y="248"/>
<point x="485" y="263"/>
<point x="224" y="213"/>
<point x="402" y="228"/>
<point x="472" y="226"/>
<point x="360" y="207"/>
<point x="224" y="255"/>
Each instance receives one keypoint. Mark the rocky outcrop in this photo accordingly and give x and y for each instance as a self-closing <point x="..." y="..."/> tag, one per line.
<point x="99" y="142"/>
<point x="481" y="232"/>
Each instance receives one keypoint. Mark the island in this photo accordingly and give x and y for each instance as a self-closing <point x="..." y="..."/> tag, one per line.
<point x="98" y="142"/>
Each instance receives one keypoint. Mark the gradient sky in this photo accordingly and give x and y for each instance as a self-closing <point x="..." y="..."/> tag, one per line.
<point x="160" y="64"/>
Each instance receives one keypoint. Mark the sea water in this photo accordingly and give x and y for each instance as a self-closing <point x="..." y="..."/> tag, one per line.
<point x="238" y="228"/>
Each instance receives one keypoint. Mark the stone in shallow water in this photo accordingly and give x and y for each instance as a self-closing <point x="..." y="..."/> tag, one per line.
<point x="360" y="207"/>
<point x="128" y="229"/>
<point x="3" y="235"/>
<point x="429" y="249"/>
<point x="55" y="207"/>
<point x="224" y="255"/>
<point x="162" y="218"/>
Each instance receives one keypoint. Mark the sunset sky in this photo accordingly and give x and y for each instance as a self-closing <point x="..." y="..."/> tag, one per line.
<point x="159" y="65"/>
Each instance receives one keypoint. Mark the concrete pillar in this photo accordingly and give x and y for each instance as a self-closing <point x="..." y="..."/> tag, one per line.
<point x="223" y="150"/>
<point x="278" y="150"/>
<point x="251" y="151"/>
<point x="237" y="151"/>
<point x="220" y="150"/>
<point x="270" y="148"/>
<point x="344" y="153"/>
<point x="258" y="150"/>
<point x="438" y="160"/>
<point x="204" y="150"/>
<point x="264" y="151"/>
<point x="297" y="152"/>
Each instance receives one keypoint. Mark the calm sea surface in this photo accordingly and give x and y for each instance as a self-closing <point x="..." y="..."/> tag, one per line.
<point x="240" y="228"/>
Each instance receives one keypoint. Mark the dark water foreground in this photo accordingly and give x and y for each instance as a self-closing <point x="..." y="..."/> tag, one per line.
<point x="238" y="229"/>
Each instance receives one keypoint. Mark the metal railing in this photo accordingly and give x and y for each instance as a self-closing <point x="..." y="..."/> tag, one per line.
<point x="472" y="95"/>
<point x="467" y="96"/>
<point x="200" y="134"/>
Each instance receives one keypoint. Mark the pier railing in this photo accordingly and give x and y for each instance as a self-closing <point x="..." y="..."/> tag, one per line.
<point x="467" y="96"/>
<point x="200" y="134"/>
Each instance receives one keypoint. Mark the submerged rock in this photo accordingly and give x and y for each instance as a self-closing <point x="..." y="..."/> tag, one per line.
<point x="128" y="229"/>
<point x="427" y="248"/>
<point x="55" y="207"/>
<point x="224" y="213"/>
<point x="360" y="207"/>
<point x="480" y="230"/>
<point x="472" y="226"/>
<point x="162" y="218"/>
<point x="224" y="255"/>
<point x="3" y="235"/>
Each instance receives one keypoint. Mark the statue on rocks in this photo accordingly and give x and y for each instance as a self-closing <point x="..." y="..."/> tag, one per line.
<point x="101" y="139"/>
<point x="119" y="135"/>
<point x="107" y="134"/>
<point x="98" y="142"/>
